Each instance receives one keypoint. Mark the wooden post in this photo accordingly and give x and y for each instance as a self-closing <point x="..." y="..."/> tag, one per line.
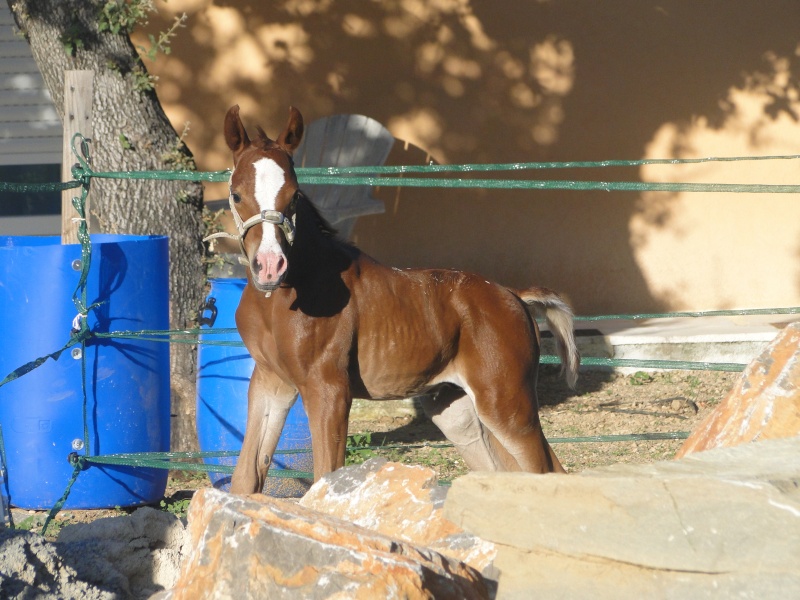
<point x="78" y="87"/>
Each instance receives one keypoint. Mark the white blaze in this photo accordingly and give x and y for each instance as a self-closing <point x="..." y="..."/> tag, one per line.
<point x="269" y="181"/>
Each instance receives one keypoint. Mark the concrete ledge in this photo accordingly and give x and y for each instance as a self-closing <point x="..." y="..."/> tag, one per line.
<point x="718" y="524"/>
<point x="736" y="339"/>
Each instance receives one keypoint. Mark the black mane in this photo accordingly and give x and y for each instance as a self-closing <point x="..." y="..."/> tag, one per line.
<point x="305" y="205"/>
<point x="308" y="212"/>
<point x="317" y="259"/>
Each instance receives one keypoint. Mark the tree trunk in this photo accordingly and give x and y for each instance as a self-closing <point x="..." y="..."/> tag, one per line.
<point x="131" y="132"/>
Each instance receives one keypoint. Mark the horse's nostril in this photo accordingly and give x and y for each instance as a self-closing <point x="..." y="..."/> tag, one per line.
<point x="268" y="268"/>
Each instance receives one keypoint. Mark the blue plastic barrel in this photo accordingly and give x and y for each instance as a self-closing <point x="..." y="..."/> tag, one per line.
<point x="127" y="406"/>
<point x="223" y="378"/>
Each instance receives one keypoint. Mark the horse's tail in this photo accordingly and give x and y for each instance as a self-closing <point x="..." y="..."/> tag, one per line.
<point x="548" y="305"/>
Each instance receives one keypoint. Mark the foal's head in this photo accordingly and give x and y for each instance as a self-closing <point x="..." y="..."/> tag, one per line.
<point x="263" y="192"/>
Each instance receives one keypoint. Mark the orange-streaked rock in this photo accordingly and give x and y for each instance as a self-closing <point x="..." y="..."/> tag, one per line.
<point x="260" y="547"/>
<point x="403" y="501"/>
<point x="764" y="404"/>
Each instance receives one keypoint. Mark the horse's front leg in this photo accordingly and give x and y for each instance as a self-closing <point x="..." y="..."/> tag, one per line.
<point x="268" y="402"/>
<point x="328" y="406"/>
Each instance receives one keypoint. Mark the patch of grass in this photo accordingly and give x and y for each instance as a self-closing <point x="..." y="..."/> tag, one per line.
<point x="35" y="523"/>
<point x="29" y="523"/>
<point x="359" y="448"/>
<point x="176" y="507"/>
<point x="640" y="378"/>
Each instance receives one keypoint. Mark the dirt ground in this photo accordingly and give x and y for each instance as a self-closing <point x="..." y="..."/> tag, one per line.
<point x="605" y="403"/>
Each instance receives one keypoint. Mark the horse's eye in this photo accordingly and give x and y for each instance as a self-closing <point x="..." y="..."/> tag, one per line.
<point x="236" y="197"/>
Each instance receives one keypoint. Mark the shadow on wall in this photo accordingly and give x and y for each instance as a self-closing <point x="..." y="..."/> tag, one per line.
<point x="473" y="84"/>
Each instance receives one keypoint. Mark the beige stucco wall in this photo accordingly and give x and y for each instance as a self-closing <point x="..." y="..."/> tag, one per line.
<point x="486" y="81"/>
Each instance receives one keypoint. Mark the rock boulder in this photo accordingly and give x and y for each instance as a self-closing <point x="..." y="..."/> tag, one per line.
<point x="260" y="547"/>
<point x="143" y="551"/>
<point x="403" y="501"/>
<point x="764" y="404"/>
<point x="117" y="558"/>
<point x="722" y="523"/>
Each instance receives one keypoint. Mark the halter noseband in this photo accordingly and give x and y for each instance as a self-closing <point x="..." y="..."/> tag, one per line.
<point x="273" y="217"/>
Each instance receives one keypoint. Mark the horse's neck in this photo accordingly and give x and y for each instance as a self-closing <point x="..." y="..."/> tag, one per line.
<point x="318" y="264"/>
<point x="317" y="254"/>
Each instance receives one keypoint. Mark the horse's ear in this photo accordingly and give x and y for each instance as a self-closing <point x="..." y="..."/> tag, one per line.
<point x="289" y="140"/>
<point x="235" y="134"/>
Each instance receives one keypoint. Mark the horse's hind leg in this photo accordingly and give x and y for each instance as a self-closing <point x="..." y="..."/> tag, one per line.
<point x="268" y="403"/>
<point x="514" y="421"/>
<point x="453" y="412"/>
<point x="557" y="466"/>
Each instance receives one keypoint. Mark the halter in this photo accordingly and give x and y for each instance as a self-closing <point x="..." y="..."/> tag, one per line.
<point x="273" y="217"/>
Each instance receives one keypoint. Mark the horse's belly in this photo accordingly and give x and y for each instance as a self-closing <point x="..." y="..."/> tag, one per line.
<point x="407" y="339"/>
<point x="387" y="388"/>
<point x="390" y="374"/>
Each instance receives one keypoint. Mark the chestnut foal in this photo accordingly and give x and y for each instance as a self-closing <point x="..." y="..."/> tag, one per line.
<point x="322" y="318"/>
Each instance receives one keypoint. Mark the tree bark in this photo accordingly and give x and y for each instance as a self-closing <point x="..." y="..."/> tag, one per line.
<point x="131" y="133"/>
